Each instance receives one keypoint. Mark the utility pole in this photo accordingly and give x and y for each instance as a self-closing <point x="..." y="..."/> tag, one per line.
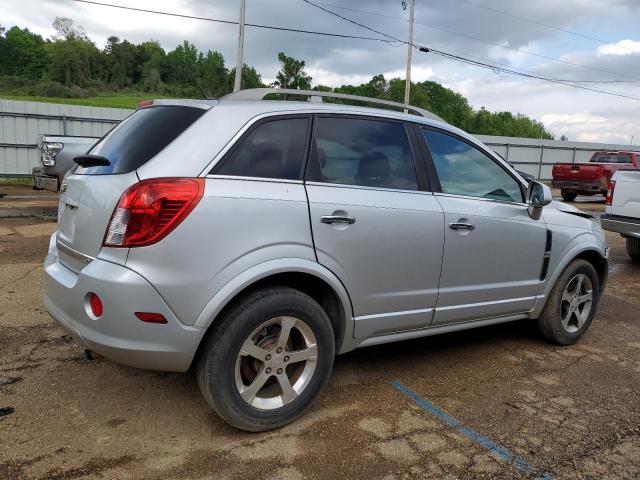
<point x="238" y="79"/>
<point x="407" y="86"/>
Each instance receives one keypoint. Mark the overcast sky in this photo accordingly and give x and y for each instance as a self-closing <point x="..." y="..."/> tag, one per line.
<point x="447" y="25"/>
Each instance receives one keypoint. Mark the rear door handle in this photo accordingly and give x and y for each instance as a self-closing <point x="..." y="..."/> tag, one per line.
<point x="330" y="219"/>
<point x="461" y="226"/>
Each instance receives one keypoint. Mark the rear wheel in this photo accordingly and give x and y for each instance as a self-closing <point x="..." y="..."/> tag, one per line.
<point x="568" y="196"/>
<point x="633" y="248"/>
<point x="571" y="305"/>
<point x="268" y="360"/>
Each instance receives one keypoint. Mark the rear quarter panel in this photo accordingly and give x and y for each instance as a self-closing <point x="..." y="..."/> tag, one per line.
<point x="238" y="224"/>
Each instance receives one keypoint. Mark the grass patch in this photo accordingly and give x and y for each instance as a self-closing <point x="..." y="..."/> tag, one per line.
<point x="16" y="181"/>
<point x="112" y="101"/>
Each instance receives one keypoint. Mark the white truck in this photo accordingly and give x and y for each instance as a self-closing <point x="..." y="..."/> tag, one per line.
<point x="57" y="154"/>
<point x="623" y="209"/>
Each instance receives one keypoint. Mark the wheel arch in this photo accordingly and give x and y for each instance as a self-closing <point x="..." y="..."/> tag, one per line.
<point x="307" y="276"/>
<point x="588" y="251"/>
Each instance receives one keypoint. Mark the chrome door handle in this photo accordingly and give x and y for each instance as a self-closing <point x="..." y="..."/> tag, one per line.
<point x="461" y="226"/>
<point x="338" y="219"/>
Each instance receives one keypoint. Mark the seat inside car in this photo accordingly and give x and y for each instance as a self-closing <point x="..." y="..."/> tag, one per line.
<point x="374" y="170"/>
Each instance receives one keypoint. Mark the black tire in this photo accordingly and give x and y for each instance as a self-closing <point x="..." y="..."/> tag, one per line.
<point x="550" y="323"/>
<point x="568" y="196"/>
<point x="215" y="368"/>
<point x="633" y="248"/>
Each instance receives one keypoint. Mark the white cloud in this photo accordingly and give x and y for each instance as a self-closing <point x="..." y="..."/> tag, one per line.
<point x="623" y="47"/>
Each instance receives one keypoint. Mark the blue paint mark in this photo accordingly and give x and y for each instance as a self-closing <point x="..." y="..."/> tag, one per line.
<point x="501" y="452"/>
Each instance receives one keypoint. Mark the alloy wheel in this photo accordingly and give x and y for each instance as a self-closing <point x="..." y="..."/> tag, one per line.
<point x="577" y="300"/>
<point x="276" y="363"/>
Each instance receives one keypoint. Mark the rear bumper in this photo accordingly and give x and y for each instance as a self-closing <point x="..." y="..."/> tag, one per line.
<point x="576" y="186"/>
<point x="628" y="227"/>
<point x="117" y="334"/>
<point x="44" y="181"/>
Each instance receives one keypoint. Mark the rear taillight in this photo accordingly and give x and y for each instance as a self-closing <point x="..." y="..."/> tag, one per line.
<point x="149" y="210"/>
<point x="609" y="198"/>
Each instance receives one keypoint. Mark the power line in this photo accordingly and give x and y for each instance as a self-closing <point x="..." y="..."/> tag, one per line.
<point x="499" y="69"/>
<point x="231" y="22"/>
<point x="471" y="37"/>
<point x="542" y="24"/>
<point x="477" y="63"/>
<point x="335" y="14"/>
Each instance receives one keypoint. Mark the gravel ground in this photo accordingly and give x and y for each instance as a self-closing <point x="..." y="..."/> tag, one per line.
<point x="572" y="412"/>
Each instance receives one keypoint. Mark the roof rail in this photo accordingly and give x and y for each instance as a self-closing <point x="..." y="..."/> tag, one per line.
<point x="314" y="96"/>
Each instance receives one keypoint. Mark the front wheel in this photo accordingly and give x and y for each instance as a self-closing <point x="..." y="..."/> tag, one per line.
<point x="568" y="196"/>
<point x="571" y="304"/>
<point x="633" y="248"/>
<point x="267" y="360"/>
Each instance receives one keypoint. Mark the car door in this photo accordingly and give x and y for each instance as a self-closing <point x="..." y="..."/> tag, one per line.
<point x="493" y="251"/>
<point x="375" y="223"/>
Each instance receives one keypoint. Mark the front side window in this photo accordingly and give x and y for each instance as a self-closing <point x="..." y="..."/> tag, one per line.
<point x="274" y="149"/>
<point x="464" y="170"/>
<point x="370" y="153"/>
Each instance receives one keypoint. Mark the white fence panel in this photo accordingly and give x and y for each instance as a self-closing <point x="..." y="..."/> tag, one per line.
<point x="22" y="123"/>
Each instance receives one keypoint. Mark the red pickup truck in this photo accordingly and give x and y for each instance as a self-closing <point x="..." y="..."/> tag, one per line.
<point x="575" y="179"/>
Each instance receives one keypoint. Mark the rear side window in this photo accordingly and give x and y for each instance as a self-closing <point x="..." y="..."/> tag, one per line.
<point x="273" y="149"/>
<point x="611" y="158"/>
<point x="140" y="137"/>
<point x="370" y="153"/>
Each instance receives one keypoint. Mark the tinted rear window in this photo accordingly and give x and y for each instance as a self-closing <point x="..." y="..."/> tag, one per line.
<point x="611" y="158"/>
<point x="140" y="137"/>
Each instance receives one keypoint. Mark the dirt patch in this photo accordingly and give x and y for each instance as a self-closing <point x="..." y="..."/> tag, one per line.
<point x="570" y="411"/>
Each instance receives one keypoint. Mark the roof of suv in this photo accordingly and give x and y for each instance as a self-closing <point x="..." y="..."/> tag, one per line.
<point x="258" y="107"/>
<point x="278" y="105"/>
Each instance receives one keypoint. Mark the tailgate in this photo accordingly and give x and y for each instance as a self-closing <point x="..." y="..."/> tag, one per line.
<point x="577" y="171"/>
<point x="85" y="208"/>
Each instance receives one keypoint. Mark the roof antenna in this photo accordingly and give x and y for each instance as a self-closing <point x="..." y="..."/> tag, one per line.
<point x="195" y="80"/>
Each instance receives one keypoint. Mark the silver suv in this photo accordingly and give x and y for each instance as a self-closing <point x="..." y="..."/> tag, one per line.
<point x="254" y="240"/>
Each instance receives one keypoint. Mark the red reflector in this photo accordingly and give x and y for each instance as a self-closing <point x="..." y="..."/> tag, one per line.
<point x="96" y="305"/>
<point x="150" y="317"/>
<point x="145" y="103"/>
<point x="149" y="210"/>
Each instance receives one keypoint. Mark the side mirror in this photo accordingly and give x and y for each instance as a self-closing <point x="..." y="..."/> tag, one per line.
<point x="538" y="195"/>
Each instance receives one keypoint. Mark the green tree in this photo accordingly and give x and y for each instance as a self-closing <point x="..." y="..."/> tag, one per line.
<point x="22" y="53"/>
<point x="250" y="78"/>
<point x="151" y="65"/>
<point x="182" y="64"/>
<point x="292" y="74"/>
<point x="213" y="74"/>
<point x="121" y="61"/>
<point x="73" y="59"/>
<point x="447" y="104"/>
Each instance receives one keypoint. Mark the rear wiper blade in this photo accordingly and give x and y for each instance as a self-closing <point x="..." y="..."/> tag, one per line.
<point x="92" y="161"/>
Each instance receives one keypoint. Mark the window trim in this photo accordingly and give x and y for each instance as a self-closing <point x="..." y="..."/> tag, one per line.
<point x="422" y="177"/>
<point x="433" y="173"/>
<point x="214" y="171"/>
